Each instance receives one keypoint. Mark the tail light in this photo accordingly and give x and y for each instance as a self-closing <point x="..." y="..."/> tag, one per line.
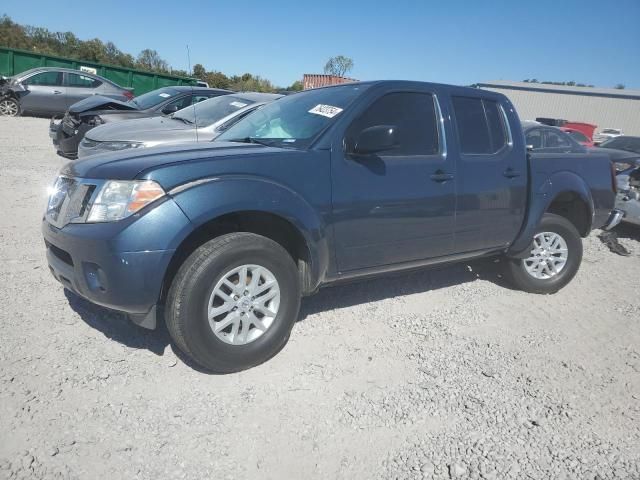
<point x="128" y="94"/>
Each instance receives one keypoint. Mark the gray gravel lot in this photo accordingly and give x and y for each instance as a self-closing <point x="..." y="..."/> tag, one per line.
<point x="438" y="374"/>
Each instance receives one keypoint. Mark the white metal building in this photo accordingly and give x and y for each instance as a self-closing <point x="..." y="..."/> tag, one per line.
<point x="604" y="107"/>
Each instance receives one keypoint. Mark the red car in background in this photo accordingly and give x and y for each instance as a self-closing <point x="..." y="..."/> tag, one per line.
<point x="580" y="131"/>
<point x="578" y="136"/>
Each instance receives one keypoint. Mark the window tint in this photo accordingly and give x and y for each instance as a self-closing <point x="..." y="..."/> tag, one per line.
<point x="533" y="138"/>
<point x="180" y="103"/>
<point x="414" y="116"/>
<point x="480" y="123"/>
<point x="556" y="140"/>
<point x="578" y="136"/>
<point x="199" y="98"/>
<point x="77" y="80"/>
<point x="53" y="79"/>
<point x="496" y="125"/>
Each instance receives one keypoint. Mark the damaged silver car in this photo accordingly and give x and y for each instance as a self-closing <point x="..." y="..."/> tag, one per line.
<point x="628" y="182"/>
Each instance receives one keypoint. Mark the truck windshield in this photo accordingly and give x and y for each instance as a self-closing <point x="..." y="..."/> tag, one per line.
<point x="296" y="120"/>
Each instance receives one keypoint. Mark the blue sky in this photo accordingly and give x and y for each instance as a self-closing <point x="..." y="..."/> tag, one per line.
<point x="452" y="41"/>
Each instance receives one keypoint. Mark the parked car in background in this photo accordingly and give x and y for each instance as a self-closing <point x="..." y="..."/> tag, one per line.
<point x="94" y="111"/>
<point x="542" y="138"/>
<point x="50" y="91"/>
<point x="586" y="129"/>
<point x="623" y="142"/>
<point x="606" y="134"/>
<point x="627" y="165"/>
<point x="200" y="122"/>
<point x="578" y="136"/>
<point x="324" y="186"/>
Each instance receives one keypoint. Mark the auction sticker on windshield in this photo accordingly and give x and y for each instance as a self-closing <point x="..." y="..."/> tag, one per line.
<point x="325" y="110"/>
<point x="164" y="95"/>
<point x="238" y="104"/>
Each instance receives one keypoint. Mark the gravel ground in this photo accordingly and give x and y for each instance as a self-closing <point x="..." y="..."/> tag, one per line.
<point x="445" y="373"/>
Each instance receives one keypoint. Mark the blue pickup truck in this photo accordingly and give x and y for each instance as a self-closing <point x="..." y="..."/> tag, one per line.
<point x="221" y="240"/>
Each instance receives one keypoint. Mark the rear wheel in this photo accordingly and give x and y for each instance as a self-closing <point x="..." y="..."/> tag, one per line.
<point x="554" y="259"/>
<point x="233" y="302"/>
<point x="9" y="107"/>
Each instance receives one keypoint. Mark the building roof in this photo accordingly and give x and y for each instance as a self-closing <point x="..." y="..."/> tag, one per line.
<point x="545" y="87"/>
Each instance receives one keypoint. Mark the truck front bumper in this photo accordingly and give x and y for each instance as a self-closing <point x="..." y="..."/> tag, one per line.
<point x="108" y="263"/>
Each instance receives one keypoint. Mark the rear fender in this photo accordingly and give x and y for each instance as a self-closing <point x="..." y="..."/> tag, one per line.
<point x="540" y="201"/>
<point x="206" y="199"/>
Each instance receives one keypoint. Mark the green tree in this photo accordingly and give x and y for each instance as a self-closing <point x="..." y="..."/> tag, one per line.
<point x="296" y="86"/>
<point x="620" y="86"/>
<point x="338" y="66"/>
<point x="151" y="60"/>
<point x="199" y="72"/>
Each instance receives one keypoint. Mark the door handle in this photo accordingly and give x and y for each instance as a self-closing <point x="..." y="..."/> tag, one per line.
<point x="511" y="173"/>
<point x="57" y="92"/>
<point x="441" y="177"/>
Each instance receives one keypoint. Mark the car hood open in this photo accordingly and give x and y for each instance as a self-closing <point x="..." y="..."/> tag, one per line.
<point x="98" y="102"/>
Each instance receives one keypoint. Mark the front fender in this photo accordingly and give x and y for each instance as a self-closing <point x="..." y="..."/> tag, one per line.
<point x="206" y="199"/>
<point x="542" y="198"/>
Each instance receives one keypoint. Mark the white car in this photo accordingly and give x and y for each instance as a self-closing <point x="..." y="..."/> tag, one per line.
<point x="606" y="134"/>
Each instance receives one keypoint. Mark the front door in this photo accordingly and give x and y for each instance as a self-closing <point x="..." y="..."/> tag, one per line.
<point x="397" y="205"/>
<point x="45" y="93"/>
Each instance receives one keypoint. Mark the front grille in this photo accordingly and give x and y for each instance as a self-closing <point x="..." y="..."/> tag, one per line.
<point x="68" y="201"/>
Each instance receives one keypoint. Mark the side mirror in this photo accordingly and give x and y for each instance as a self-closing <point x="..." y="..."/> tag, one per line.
<point x="378" y="138"/>
<point x="169" y="109"/>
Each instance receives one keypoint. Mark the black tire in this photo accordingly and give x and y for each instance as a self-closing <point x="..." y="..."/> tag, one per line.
<point x="10" y="104"/>
<point x="515" y="267"/>
<point x="188" y="297"/>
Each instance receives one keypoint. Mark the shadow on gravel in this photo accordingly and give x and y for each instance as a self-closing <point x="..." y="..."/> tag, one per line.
<point x="116" y="326"/>
<point x="628" y="231"/>
<point x="400" y="284"/>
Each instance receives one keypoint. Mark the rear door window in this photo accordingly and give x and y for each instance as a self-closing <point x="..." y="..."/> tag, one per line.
<point x="556" y="140"/>
<point x="480" y="123"/>
<point x="49" y="79"/>
<point x="414" y="116"/>
<point x="82" y="81"/>
<point x="533" y="139"/>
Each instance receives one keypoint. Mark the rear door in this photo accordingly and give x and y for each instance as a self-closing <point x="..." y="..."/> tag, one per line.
<point x="491" y="176"/>
<point x="45" y="93"/>
<point x="398" y="205"/>
<point x="80" y="86"/>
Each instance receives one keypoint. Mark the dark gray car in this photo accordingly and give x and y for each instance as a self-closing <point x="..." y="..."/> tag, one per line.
<point x="50" y="90"/>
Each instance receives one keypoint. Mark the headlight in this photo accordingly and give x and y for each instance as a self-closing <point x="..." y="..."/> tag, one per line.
<point x="118" y="199"/>
<point x="119" y="145"/>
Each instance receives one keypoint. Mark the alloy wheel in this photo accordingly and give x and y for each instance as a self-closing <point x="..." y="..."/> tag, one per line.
<point x="548" y="256"/>
<point x="243" y="305"/>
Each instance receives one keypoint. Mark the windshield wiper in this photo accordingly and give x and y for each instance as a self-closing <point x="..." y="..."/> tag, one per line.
<point x="251" y="140"/>
<point x="184" y="120"/>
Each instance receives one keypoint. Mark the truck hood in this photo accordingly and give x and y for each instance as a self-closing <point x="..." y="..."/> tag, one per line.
<point x="98" y="102"/>
<point x="153" y="131"/>
<point x="139" y="163"/>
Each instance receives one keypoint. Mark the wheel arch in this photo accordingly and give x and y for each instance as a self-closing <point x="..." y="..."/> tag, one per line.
<point x="564" y="194"/>
<point x="219" y="207"/>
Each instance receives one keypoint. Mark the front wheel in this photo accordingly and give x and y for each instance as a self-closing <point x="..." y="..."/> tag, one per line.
<point x="233" y="302"/>
<point x="554" y="259"/>
<point x="9" y="107"/>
